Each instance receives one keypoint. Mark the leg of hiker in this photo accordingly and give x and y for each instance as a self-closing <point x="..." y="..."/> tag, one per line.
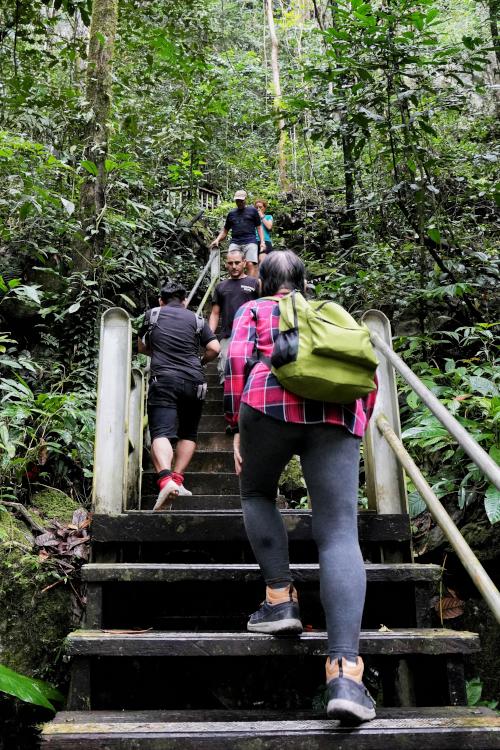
<point x="184" y="452"/>
<point x="251" y="258"/>
<point x="263" y="437"/>
<point x="161" y="426"/>
<point x="189" y="414"/>
<point x="330" y="462"/>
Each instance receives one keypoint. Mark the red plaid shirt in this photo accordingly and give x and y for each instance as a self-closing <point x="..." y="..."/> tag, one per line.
<point x="256" y="325"/>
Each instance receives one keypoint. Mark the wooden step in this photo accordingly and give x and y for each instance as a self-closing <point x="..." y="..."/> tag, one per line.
<point x="197" y="502"/>
<point x="211" y="423"/>
<point x="215" y="393"/>
<point x="227" y="526"/>
<point x="432" y="641"/>
<point x="199" y="482"/>
<point x="164" y="572"/>
<point x="215" y="460"/>
<point x="214" y="441"/>
<point x="213" y="406"/>
<point x="444" y="728"/>
<point x="213" y="380"/>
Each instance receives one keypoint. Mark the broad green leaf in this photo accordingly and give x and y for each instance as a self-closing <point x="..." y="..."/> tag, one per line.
<point x="28" y="689"/>
<point x="492" y="504"/>
<point x="483" y="386"/>
<point x="3" y="285"/>
<point x="28" y="292"/>
<point x="90" y="167"/>
<point x="474" y="690"/>
<point x="434" y="234"/>
<point x="74" y="307"/>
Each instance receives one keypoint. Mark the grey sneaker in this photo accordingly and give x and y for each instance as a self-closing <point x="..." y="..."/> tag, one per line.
<point x="183" y="492"/>
<point x="276" y="619"/>
<point x="348" y="699"/>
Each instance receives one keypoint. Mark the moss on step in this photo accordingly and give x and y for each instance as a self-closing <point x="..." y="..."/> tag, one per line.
<point x="35" y="602"/>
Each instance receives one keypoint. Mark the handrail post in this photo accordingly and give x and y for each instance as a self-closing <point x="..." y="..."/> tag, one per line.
<point x="385" y="482"/>
<point x="135" y="436"/>
<point x="215" y="267"/>
<point x="109" y="489"/>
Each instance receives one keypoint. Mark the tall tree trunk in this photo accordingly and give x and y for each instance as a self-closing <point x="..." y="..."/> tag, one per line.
<point x="349" y="163"/>
<point x="98" y="93"/>
<point x="282" y="162"/>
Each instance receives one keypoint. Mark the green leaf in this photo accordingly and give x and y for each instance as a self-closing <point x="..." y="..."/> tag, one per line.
<point x="74" y="307"/>
<point x="7" y="444"/>
<point x="434" y="235"/>
<point x="69" y="206"/>
<point x="492" y="504"/>
<point x="495" y="453"/>
<point x="128" y="300"/>
<point x="3" y="285"/>
<point x="483" y="386"/>
<point x="28" y="292"/>
<point x="416" y="505"/>
<point x="28" y="689"/>
<point x="25" y="210"/>
<point x="90" y="167"/>
<point x="474" y="689"/>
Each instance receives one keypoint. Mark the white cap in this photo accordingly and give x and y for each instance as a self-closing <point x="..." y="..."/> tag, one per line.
<point x="240" y="195"/>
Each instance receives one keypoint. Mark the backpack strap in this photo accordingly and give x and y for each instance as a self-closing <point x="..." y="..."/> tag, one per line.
<point x="200" y="322"/>
<point x="153" y="317"/>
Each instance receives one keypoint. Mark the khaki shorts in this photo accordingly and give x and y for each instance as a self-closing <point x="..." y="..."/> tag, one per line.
<point x="249" y="249"/>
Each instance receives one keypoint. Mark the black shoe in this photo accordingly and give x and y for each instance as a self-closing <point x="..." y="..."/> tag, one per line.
<point x="348" y="700"/>
<point x="276" y="619"/>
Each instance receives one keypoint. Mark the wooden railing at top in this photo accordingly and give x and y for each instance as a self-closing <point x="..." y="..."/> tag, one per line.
<point x="119" y="427"/>
<point x="207" y="199"/>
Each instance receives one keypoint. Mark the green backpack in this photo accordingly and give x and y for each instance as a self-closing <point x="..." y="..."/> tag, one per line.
<point x="321" y="352"/>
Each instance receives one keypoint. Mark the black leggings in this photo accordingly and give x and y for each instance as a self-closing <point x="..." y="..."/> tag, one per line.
<point x="329" y="455"/>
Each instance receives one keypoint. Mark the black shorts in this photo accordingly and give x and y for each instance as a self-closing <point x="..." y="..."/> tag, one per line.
<point x="174" y="409"/>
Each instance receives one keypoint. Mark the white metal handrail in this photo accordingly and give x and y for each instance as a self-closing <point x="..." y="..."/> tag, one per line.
<point x="385" y="479"/>
<point x="212" y="265"/>
<point x="479" y="576"/>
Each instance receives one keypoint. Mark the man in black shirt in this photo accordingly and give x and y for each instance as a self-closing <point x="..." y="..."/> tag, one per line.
<point x="228" y="296"/>
<point x="177" y="385"/>
<point x="242" y="222"/>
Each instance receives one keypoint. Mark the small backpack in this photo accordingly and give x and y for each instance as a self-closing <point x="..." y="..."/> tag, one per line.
<point x="321" y="353"/>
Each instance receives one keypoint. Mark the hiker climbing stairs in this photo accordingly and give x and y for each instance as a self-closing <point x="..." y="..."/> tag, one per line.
<point x="164" y="660"/>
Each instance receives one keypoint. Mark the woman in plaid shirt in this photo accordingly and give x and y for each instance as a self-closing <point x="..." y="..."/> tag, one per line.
<point x="271" y="425"/>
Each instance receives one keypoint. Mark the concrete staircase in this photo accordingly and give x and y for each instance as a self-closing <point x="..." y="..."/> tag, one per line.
<point x="165" y="661"/>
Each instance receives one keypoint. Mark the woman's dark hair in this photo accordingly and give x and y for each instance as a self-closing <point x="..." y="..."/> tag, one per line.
<point x="171" y="290"/>
<point x="279" y="269"/>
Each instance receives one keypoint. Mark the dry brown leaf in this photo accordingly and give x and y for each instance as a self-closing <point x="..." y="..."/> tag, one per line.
<point x="449" y="607"/>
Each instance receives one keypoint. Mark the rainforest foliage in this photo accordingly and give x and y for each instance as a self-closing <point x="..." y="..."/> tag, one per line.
<point x="370" y="128"/>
